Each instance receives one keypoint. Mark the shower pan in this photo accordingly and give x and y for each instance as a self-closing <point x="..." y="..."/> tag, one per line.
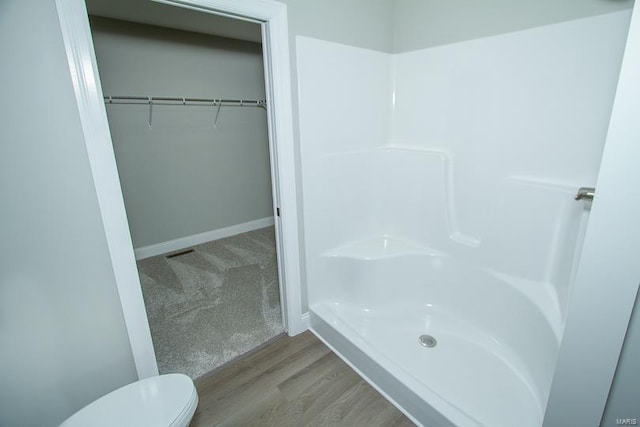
<point x="442" y="228"/>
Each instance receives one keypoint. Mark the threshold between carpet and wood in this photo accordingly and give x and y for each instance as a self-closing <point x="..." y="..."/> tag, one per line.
<point x="211" y="305"/>
<point x="293" y="381"/>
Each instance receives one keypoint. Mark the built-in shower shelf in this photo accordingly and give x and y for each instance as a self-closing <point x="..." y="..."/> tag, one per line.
<point x="384" y="246"/>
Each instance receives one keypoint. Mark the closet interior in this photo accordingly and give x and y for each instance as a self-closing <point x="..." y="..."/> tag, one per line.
<point x="185" y="99"/>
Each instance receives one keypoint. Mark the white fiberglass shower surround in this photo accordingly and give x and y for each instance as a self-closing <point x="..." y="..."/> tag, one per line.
<point x="439" y="203"/>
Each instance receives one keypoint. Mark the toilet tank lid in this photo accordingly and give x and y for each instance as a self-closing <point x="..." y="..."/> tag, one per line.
<point x="164" y="400"/>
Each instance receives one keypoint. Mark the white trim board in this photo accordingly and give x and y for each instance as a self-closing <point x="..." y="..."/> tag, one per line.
<point x="78" y="44"/>
<point x="197" y="239"/>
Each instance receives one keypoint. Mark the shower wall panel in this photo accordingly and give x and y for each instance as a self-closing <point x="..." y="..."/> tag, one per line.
<point x="534" y="103"/>
<point x="439" y="199"/>
<point x="515" y="122"/>
<point x="523" y="118"/>
<point x="344" y="110"/>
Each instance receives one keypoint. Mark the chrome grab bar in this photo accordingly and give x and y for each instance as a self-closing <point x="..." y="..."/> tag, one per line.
<point x="585" y="193"/>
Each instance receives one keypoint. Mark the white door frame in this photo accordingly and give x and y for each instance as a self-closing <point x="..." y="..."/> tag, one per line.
<point x="80" y="53"/>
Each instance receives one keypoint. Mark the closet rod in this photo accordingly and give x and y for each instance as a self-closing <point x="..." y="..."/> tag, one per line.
<point x="172" y="100"/>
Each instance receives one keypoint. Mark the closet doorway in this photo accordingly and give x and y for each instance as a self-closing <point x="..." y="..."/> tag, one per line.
<point x="186" y="106"/>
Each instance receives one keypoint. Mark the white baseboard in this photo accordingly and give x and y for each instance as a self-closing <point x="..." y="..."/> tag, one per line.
<point x="196" y="239"/>
<point x="301" y="326"/>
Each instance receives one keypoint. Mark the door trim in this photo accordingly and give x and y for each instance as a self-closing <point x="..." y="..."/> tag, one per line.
<point x="74" y="24"/>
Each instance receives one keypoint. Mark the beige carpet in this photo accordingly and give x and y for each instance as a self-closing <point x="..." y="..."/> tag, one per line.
<point x="214" y="304"/>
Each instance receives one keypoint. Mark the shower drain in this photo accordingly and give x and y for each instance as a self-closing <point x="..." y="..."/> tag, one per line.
<point x="427" y="341"/>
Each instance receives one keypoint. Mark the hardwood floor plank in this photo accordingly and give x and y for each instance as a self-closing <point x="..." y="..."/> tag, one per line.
<point x="325" y="391"/>
<point x="334" y="414"/>
<point x="369" y="408"/>
<point x="295" y="381"/>
<point x="257" y="362"/>
<point x="257" y="381"/>
<point x="274" y="410"/>
<point x="282" y="413"/>
<point x="295" y="385"/>
<point x="361" y="405"/>
<point x="299" y="409"/>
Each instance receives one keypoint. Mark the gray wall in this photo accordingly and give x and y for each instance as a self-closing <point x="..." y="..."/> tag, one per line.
<point x="183" y="176"/>
<point x="419" y="24"/>
<point x="362" y="23"/>
<point x="624" y="398"/>
<point x="404" y="25"/>
<point x="63" y="341"/>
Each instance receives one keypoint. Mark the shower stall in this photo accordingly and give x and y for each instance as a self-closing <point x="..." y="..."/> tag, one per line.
<point x="441" y="227"/>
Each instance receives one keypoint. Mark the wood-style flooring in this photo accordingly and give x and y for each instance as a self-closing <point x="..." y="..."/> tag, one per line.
<point x="294" y="381"/>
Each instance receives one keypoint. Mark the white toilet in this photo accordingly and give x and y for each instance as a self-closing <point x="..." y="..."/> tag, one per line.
<point x="163" y="401"/>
